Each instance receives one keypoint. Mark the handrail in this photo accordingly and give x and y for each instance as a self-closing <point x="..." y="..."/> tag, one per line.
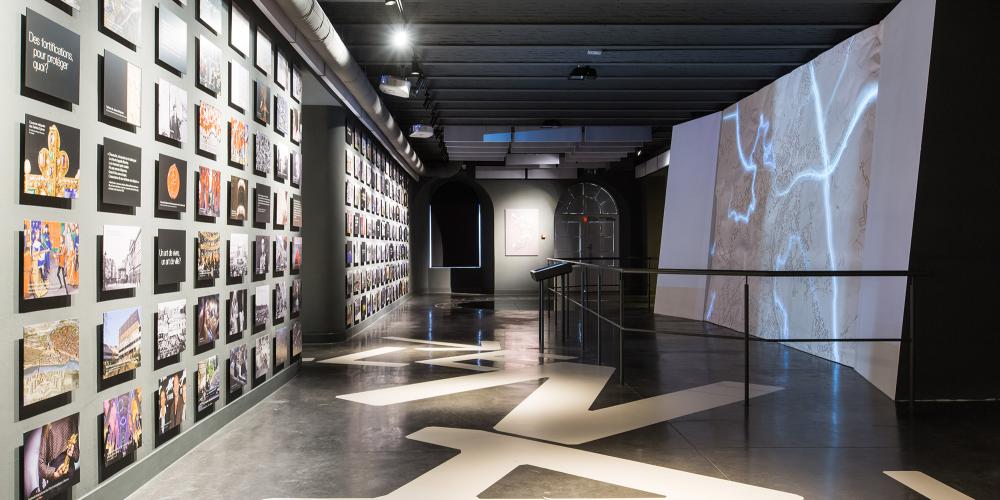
<point x="584" y="306"/>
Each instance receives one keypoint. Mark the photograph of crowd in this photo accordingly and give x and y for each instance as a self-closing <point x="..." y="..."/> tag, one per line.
<point x="122" y="340"/>
<point x="51" y="355"/>
<point x="262" y="356"/>
<point x="280" y="253"/>
<point x="280" y="302"/>
<point x="208" y="255"/>
<point x="171" y="328"/>
<point x="209" y="65"/>
<point x="261" y="297"/>
<point x="122" y="425"/>
<point x="50" y="259"/>
<point x="209" y="192"/>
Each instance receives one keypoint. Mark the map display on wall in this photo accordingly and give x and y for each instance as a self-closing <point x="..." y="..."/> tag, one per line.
<point x="171" y="184"/>
<point x="209" y="192"/>
<point x="171" y="328"/>
<point x="51" y="58"/>
<point x="209" y="379"/>
<point x="122" y="431"/>
<point x="51" y="355"/>
<point x="210" y="123"/>
<point x="239" y="256"/>
<point x="122" y="257"/>
<point x="172" y="396"/>
<point x="51" y="158"/>
<point x="208" y="319"/>
<point x="121" y="168"/>
<point x="791" y="193"/>
<point x="239" y="87"/>
<point x="521" y="231"/>
<point x="262" y="356"/>
<point x="50" y="458"/>
<point x="208" y="255"/>
<point x="122" y="341"/>
<point x="122" y="90"/>
<point x="209" y="65"/>
<point x="237" y="323"/>
<point x="239" y="194"/>
<point x="123" y="18"/>
<point x="171" y="44"/>
<point x="239" y="143"/>
<point x="262" y="55"/>
<point x="239" y="30"/>
<point x="170" y="256"/>
<point x="210" y="14"/>
<point x="237" y="367"/>
<point x="171" y="112"/>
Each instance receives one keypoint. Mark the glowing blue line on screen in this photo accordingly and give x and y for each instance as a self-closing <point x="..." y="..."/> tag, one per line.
<point x="711" y="306"/>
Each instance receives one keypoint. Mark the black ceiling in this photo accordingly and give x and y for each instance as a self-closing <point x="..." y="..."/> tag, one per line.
<point x="505" y="62"/>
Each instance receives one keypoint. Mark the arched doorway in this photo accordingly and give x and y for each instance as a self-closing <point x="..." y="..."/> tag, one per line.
<point x="586" y="224"/>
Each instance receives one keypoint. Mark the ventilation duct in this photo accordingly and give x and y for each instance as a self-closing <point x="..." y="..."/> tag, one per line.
<point x="315" y="37"/>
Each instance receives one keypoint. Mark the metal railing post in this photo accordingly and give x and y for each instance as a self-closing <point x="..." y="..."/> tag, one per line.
<point x="583" y="314"/>
<point x="565" y="309"/>
<point x="912" y="314"/>
<point x="541" y="316"/>
<point x="621" y="328"/>
<point x="599" y="317"/>
<point x="746" y="343"/>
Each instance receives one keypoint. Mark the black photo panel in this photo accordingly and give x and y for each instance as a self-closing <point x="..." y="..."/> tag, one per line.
<point x="170" y="256"/>
<point x="122" y="174"/>
<point x="51" y="58"/>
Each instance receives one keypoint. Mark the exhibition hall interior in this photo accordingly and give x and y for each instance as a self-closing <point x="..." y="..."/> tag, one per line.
<point x="682" y="249"/>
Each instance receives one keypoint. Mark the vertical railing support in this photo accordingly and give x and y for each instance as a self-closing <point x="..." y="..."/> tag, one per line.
<point x="621" y="328"/>
<point x="599" y="320"/>
<point x="913" y="339"/>
<point x="584" y="303"/>
<point x="541" y="316"/>
<point x="746" y="344"/>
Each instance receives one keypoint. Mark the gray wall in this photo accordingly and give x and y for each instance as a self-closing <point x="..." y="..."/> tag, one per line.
<point x="86" y="400"/>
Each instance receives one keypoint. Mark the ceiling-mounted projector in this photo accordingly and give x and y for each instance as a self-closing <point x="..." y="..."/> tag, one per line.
<point x="421" y="131"/>
<point x="583" y="73"/>
<point x="393" y="85"/>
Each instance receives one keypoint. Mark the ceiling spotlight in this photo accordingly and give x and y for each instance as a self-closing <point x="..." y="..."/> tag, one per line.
<point x="400" y="38"/>
<point x="583" y="73"/>
<point x="415" y="69"/>
<point x="390" y="3"/>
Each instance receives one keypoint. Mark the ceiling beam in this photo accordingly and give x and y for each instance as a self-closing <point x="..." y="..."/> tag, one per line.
<point x="435" y="90"/>
<point x="593" y="62"/>
<point x="605" y="47"/>
<point x="437" y="26"/>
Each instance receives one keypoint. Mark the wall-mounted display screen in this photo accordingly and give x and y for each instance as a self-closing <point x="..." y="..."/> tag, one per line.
<point x="209" y="380"/>
<point x="122" y="94"/>
<point x="51" y="158"/>
<point x="208" y="319"/>
<point x="51" y="359"/>
<point x="122" y="172"/>
<point x="51" y="58"/>
<point x="171" y="328"/>
<point x="50" y="459"/>
<point x="171" y="184"/>
<point x="122" y="341"/>
<point x="122" y="432"/>
<point x="122" y="257"/>
<point x="170" y="256"/>
<point x="171" y="399"/>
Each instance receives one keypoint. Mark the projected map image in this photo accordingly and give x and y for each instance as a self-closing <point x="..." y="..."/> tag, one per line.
<point x="792" y="194"/>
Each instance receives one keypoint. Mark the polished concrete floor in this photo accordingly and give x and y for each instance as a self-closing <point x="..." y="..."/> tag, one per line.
<point x="815" y="429"/>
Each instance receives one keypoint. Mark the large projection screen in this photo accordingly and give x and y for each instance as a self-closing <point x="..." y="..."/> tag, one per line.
<point x="791" y="193"/>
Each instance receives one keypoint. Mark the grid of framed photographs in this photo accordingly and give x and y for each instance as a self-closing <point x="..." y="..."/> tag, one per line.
<point x="185" y="313"/>
<point x="376" y="221"/>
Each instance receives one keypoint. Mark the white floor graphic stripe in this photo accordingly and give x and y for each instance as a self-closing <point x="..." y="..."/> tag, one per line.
<point x="485" y="345"/>
<point x="356" y="358"/>
<point x="926" y="485"/>
<point x="486" y="458"/>
<point x="496" y="356"/>
<point x="559" y="409"/>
